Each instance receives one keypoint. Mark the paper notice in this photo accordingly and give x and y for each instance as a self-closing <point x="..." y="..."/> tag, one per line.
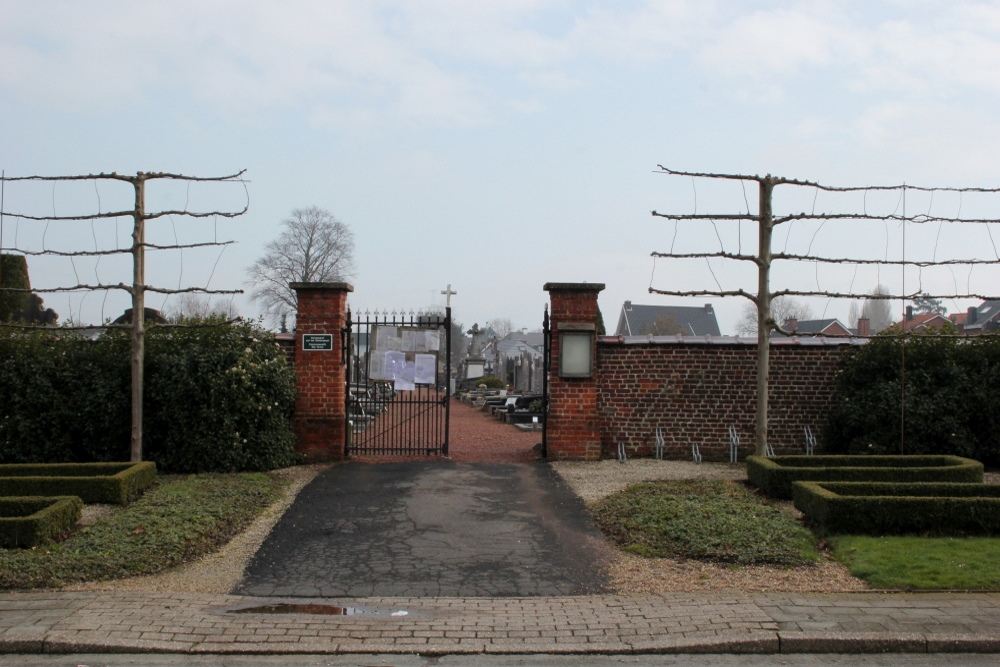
<point x="425" y="371"/>
<point x="393" y="365"/>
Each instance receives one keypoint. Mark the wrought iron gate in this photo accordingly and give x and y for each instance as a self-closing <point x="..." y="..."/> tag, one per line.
<point x="398" y="383"/>
<point x="546" y="367"/>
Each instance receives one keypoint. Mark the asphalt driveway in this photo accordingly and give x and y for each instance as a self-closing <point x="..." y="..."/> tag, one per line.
<point x="432" y="529"/>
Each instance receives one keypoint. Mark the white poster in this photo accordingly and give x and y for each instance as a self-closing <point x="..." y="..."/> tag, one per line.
<point x="376" y="367"/>
<point x="404" y="381"/>
<point x="387" y="338"/>
<point x="414" y="341"/>
<point x="433" y="340"/>
<point x="393" y="365"/>
<point x="425" y="371"/>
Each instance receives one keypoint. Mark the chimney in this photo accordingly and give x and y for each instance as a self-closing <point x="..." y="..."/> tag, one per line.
<point x="864" y="326"/>
<point x="909" y="313"/>
<point x="970" y="318"/>
<point x="791" y="324"/>
<point x="628" y="305"/>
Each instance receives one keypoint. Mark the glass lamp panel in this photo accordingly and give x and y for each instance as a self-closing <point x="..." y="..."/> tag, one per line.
<point x="575" y="353"/>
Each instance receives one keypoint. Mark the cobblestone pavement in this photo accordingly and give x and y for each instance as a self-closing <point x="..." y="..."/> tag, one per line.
<point x="53" y="622"/>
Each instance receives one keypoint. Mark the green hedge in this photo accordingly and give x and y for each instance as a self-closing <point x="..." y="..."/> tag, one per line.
<point x="774" y="476"/>
<point x="217" y="399"/>
<point x="27" y="522"/>
<point x="865" y="508"/>
<point x="109" y="483"/>
<point x="951" y="404"/>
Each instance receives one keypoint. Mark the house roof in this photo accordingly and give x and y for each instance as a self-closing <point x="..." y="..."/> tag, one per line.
<point x="820" y="326"/>
<point x="921" y="321"/>
<point x="638" y="320"/>
<point x="986" y="312"/>
<point x="515" y="342"/>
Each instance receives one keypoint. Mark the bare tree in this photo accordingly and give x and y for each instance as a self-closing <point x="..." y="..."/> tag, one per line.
<point x="193" y="306"/>
<point x="315" y="247"/>
<point x="783" y="308"/>
<point x="500" y="326"/>
<point x="877" y="309"/>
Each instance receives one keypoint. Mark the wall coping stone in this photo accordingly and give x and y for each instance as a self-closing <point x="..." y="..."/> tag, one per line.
<point x="574" y="287"/>
<point x="804" y="341"/>
<point x="347" y="287"/>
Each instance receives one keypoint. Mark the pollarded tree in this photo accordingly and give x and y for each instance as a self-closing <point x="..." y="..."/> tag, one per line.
<point x="314" y="247"/>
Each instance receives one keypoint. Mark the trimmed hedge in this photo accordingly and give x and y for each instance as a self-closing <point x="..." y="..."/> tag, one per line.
<point x="27" y="522"/>
<point x="217" y="399"/>
<point x="774" y="475"/>
<point x="865" y="508"/>
<point x="950" y="403"/>
<point x="109" y="483"/>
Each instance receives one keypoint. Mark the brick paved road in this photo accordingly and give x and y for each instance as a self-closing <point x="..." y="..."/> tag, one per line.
<point x="723" y="623"/>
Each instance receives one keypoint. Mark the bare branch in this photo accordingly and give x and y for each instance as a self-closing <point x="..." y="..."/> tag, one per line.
<point x="74" y="288"/>
<point x="891" y="262"/>
<point x="140" y="176"/>
<point x="703" y="255"/>
<point x="70" y="218"/>
<point x="205" y="214"/>
<point x="739" y="292"/>
<point x="200" y="290"/>
<point x="776" y="180"/>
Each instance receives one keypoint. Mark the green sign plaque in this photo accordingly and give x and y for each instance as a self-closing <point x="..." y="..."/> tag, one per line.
<point x="317" y="342"/>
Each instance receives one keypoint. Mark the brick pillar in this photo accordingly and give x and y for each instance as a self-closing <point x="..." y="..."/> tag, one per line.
<point x="572" y="428"/>
<point x="320" y="410"/>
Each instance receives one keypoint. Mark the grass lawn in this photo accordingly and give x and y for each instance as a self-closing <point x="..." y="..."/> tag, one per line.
<point x="921" y="563"/>
<point x="711" y="520"/>
<point x="178" y="520"/>
<point x="727" y="522"/>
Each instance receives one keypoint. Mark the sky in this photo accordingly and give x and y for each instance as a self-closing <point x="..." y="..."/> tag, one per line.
<point x="498" y="146"/>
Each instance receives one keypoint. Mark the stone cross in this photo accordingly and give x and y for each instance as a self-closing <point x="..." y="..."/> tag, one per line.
<point x="475" y="346"/>
<point x="448" y="292"/>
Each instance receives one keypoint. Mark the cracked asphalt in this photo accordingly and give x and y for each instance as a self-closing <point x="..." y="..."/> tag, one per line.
<point x="432" y="529"/>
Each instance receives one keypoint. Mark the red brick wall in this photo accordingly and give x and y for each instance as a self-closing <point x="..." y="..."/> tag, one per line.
<point x="573" y="429"/>
<point x="320" y="413"/>
<point x="693" y="392"/>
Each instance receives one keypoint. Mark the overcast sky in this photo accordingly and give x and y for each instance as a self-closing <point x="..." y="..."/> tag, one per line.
<point x="493" y="146"/>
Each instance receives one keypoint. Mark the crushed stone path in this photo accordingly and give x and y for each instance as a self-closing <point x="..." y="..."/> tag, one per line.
<point x="55" y="622"/>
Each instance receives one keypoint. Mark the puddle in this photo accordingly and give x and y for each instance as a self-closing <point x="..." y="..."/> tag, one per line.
<point x="324" y="609"/>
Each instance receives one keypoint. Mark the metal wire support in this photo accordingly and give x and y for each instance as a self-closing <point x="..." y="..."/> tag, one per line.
<point x="768" y="450"/>
<point x="622" y="456"/>
<point x="661" y="444"/>
<point x="734" y="444"/>
<point x="810" y="442"/>
<point x="695" y="452"/>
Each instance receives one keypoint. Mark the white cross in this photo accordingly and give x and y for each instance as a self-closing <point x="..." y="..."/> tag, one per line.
<point x="448" y="292"/>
